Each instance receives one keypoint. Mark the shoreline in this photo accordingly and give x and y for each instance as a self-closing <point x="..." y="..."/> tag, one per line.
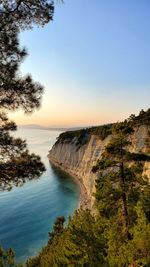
<point x="84" y="201"/>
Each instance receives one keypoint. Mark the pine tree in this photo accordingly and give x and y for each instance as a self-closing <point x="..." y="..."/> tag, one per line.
<point x="121" y="176"/>
<point x="80" y="244"/>
<point x="7" y="258"/>
<point x="120" y="187"/>
<point x="16" y="164"/>
<point x="86" y="243"/>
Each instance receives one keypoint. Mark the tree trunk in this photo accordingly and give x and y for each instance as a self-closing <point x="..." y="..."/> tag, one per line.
<point x="124" y="201"/>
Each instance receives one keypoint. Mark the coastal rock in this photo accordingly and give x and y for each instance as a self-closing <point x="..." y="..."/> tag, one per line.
<point x="79" y="160"/>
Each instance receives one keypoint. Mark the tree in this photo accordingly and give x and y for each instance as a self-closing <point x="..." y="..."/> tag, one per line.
<point x="86" y="243"/>
<point x="120" y="187"/>
<point x="141" y="242"/>
<point x="16" y="164"/>
<point x="81" y="244"/>
<point x="7" y="258"/>
<point x="142" y="119"/>
<point x="58" y="227"/>
<point x="17" y="91"/>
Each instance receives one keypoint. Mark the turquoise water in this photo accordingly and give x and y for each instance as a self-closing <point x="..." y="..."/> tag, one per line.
<point x="27" y="213"/>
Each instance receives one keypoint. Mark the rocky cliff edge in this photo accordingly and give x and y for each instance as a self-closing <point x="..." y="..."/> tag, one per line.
<point x="77" y="157"/>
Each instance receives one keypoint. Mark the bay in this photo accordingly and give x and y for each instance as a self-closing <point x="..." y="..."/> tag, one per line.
<point x="27" y="213"/>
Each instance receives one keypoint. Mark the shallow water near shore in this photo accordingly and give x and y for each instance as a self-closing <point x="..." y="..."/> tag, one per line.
<point x="27" y="213"/>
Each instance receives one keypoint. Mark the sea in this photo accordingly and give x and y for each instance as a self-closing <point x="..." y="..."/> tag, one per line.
<point x="27" y="213"/>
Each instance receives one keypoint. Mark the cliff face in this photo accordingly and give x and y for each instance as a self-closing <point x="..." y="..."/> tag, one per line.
<point x="79" y="160"/>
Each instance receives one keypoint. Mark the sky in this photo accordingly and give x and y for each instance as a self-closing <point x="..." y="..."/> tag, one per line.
<point x="93" y="60"/>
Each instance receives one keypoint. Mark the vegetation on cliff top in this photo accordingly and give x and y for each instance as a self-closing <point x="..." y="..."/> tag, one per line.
<point x="119" y="234"/>
<point x="142" y="119"/>
<point x="81" y="137"/>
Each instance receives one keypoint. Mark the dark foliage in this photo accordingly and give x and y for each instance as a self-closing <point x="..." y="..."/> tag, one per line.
<point x="101" y="131"/>
<point x="16" y="164"/>
<point x="17" y="91"/>
<point x="26" y="13"/>
<point x="142" y="118"/>
<point x="58" y="227"/>
<point x="7" y="258"/>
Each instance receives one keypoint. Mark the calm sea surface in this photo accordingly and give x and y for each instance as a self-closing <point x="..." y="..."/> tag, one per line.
<point x="27" y="213"/>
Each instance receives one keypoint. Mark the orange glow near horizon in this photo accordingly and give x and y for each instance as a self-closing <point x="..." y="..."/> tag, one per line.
<point x="71" y="111"/>
<point x="57" y="120"/>
<point x="65" y="118"/>
<point x="68" y="109"/>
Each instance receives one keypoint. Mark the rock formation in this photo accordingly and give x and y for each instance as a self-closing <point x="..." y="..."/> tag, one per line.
<point x="78" y="158"/>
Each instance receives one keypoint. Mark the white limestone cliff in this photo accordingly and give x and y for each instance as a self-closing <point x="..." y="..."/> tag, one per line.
<point x="78" y="161"/>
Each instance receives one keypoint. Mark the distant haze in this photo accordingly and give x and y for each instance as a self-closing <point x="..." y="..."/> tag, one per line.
<point x="40" y="127"/>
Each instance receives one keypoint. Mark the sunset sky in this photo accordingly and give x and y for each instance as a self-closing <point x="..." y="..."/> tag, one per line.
<point x="93" y="60"/>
